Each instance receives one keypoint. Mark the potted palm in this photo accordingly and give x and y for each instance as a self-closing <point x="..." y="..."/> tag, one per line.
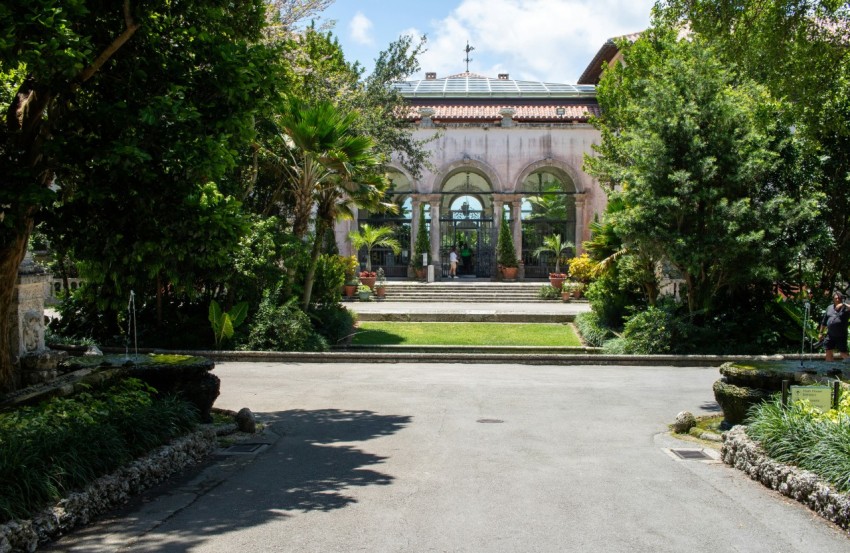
<point x="505" y="252"/>
<point x="422" y="247"/>
<point x="368" y="237"/>
<point x="554" y="245"/>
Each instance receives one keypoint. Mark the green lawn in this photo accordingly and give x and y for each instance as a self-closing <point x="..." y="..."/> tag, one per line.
<point x="465" y="334"/>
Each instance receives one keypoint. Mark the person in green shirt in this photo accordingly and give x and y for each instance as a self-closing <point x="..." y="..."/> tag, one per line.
<point x="466" y="258"/>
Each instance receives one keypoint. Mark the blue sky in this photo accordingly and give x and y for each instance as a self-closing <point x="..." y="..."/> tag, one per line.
<point x="541" y="40"/>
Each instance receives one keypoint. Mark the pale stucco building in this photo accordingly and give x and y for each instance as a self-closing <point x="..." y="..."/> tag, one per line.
<point x="496" y="146"/>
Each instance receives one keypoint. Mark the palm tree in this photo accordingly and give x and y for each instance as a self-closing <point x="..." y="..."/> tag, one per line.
<point x="331" y="168"/>
<point x="369" y="237"/>
<point x="554" y="245"/>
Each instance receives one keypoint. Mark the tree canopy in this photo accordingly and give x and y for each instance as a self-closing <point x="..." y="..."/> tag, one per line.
<point x="702" y="162"/>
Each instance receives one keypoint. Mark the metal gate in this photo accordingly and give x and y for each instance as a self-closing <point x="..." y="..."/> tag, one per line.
<point x="476" y="231"/>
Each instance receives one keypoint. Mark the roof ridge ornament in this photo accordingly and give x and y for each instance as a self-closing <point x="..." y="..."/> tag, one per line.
<point x="467" y="59"/>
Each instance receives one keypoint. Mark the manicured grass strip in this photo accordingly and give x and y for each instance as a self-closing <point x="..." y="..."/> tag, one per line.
<point x="375" y="333"/>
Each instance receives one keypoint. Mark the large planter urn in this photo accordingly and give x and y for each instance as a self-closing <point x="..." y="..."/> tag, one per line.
<point x="557" y="280"/>
<point x="509" y="273"/>
<point x="368" y="280"/>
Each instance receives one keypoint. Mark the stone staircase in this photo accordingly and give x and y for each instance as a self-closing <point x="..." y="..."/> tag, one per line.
<point x="463" y="291"/>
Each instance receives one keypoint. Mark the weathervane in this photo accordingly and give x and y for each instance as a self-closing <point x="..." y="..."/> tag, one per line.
<point x="468" y="49"/>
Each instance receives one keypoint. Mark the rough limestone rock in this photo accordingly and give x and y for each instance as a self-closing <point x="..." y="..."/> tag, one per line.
<point x="737" y="400"/>
<point x="801" y="485"/>
<point x="684" y="422"/>
<point x="245" y="421"/>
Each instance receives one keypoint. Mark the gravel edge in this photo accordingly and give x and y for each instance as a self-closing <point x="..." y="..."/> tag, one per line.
<point x="110" y="491"/>
<point x="742" y="453"/>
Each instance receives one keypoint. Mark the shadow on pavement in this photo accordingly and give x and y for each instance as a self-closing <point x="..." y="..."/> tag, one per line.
<point x="308" y="469"/>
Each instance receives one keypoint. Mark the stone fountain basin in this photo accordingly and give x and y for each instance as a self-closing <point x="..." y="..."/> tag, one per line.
<point x="185" y="375"/>
<point x="769" y="374"/>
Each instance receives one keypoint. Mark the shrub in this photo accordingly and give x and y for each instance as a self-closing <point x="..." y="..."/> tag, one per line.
<point x="423" y="243"/>
<point x="650" y="332"/>
<point x="330" y="276"/>
<point x="798" y="435"/>
<point x="334" y="322"/>
<point x="591" y="329"/>
<point x="65" y="443"/>
<point x="548" y="292"/>
<point x="283" y="328"/>
<point x="505" y="251"/>
<point x="582" y="268"/>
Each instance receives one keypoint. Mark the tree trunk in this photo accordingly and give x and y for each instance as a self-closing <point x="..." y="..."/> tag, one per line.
<point x="311" y="271"/>
<point x="11" y="255"/>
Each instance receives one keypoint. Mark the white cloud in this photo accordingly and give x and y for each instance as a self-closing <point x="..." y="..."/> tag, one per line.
<point x="544" y="40"/>
<point x="361" y="29"/>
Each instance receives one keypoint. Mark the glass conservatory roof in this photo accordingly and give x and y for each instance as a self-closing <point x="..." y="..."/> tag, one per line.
<point x="471" y="85"/>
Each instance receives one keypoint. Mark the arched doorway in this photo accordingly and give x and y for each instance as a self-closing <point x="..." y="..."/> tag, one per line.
<point x="466" y="222"/>
<point x="399" y="193"/>
<point x="548" y="208"/>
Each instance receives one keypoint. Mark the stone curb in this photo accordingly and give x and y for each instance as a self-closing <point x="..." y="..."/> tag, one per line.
<point x="804" y="486"/>
<point x="107" y="492"/>
<point x="524" y="358"/>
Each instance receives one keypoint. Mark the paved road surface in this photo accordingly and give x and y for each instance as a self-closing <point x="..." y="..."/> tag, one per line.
<point x="411" y="458"/>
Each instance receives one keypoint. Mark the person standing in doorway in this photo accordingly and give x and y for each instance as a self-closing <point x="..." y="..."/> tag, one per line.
<point x="453" y="263"/>
<point x="466" y="257"/>
<point x="834" y="325"/>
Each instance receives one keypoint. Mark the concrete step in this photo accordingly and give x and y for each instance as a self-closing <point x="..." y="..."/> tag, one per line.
<point x="478" y="316"/>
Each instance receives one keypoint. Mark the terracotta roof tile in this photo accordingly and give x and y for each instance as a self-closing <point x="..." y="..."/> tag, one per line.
<point x="451" y="112"/>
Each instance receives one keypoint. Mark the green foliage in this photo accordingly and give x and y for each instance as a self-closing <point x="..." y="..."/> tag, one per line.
<point x="591" y="329"/>
<point x="505" y="252"/>
<point x="809" y="63"/>
<point x="797" y="435"/>
<point x="422" y="247"/>
<point x="553" y="245"/>
<point x="282" y="328"/>
<point x="334" y="322"/>
<point x="63" y="444"/>
<point x="223" y="322"/>
<point x="652" y="331"/>
<point x="548" y="292"/>
<point x="330" y="277"/>
<point x="582" y="268"/>
<point x="711" y="190"/>
<point x="369" y="237"/>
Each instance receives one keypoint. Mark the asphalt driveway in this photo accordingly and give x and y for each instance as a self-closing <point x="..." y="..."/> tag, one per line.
<point x="462" y="457"/>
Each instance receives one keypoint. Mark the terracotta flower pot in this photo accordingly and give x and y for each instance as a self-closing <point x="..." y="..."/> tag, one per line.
<point x="565" y="296"/>
<point x="421" y="272"/>
<point x="556" y="280"/>
<point x="509" y="273"/>
<point x="368" y="281"/>
<point x="381" y="291"/>
<point x="350" y="290"/>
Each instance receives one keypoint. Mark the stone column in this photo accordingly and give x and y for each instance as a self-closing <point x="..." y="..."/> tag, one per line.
<point x="414" y="223"/>
<point x="580" y="198"/>
<point x="436" y="239"/>
<point x="36" y="362"/>
<point x="498" y="205"/>
<point x="516" y="230"/>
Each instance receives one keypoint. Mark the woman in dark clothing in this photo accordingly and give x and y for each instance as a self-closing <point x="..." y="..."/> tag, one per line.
<point x="834" y="324"/>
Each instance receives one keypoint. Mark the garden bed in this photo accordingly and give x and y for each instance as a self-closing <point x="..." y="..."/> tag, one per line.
<point x="806" y="487"/>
